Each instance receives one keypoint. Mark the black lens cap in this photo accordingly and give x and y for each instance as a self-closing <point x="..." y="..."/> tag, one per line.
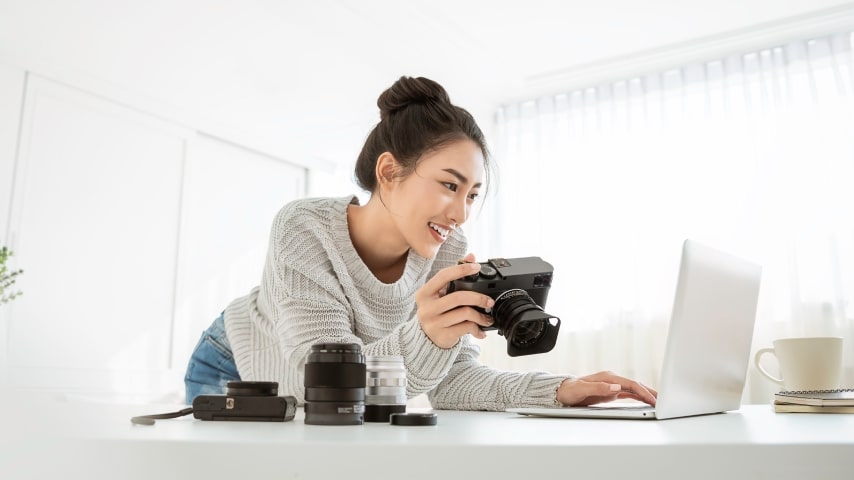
<point x="414" y="419"/>
<point x="237" y="387"/>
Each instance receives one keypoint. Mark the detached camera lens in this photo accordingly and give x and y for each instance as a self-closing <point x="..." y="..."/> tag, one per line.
<point x="386" y="387"/>
<point x="335" y="384"/>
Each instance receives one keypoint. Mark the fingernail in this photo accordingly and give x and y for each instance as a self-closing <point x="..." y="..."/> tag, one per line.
<point x="615" y="387"/>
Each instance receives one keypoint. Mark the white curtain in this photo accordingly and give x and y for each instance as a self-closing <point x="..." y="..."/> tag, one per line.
<point x="752" y="153"/>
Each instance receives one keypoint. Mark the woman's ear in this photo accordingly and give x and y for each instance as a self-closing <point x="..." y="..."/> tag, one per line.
<point x="386" y="169"/>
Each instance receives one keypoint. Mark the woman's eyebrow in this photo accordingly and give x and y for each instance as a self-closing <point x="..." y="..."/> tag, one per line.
<point x="460" y="177"/>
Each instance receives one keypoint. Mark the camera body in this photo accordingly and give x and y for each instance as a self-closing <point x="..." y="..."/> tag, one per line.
<point x="248" y="402"/>
<point x="520" y="288"/>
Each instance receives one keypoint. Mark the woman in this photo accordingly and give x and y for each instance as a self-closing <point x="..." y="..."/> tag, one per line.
<point x="376" y="275"/>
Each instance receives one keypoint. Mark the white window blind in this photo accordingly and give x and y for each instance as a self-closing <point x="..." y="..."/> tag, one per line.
<point x="751" y="153"/>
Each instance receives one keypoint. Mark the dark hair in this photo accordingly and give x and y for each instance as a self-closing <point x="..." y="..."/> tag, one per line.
<point x="416" y="117"/>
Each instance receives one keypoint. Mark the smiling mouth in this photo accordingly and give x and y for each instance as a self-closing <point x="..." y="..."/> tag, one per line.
<point x="443" y="232"/>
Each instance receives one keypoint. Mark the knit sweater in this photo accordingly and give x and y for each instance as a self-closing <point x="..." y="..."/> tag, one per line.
<point x="315" y="289"/>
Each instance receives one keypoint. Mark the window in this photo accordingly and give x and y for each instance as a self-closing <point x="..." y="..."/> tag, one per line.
<point x="752" y="153"/>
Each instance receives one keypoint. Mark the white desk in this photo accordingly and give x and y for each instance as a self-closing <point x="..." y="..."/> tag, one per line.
<point x="76" y="439"/>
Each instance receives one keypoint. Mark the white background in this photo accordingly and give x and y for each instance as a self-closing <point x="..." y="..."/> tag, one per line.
<point x="216" y="84"/>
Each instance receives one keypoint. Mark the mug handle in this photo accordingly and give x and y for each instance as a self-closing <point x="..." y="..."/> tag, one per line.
<point x="756" y="358"/>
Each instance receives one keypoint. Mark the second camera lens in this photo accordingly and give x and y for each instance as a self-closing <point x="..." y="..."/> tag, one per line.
<point x="335" y="384"/>
<point x="386" y="387"/>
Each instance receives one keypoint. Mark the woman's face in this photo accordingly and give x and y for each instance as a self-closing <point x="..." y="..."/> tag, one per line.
<point x="436" y="197"/>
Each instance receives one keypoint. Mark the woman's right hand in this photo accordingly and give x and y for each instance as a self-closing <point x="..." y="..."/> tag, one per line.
<point x="445" y="318"/>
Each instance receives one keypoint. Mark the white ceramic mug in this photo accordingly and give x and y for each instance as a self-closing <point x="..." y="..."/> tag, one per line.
<point x="805" y="363"/>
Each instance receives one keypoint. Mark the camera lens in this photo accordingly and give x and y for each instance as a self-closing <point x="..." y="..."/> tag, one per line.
<point x="528" y="333"/>
<point x="526" y="326"/>
<point x="386" y="387"/>
<point x="335" y="384"/>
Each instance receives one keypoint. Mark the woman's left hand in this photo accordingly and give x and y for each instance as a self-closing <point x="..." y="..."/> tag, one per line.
<point x="602" y="387"/>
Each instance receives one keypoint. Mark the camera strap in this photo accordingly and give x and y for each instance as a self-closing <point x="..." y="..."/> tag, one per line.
<point x="149" y="419"/>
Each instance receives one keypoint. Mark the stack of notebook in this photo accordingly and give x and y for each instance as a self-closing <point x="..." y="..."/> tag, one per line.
<point x="815" y="401"/>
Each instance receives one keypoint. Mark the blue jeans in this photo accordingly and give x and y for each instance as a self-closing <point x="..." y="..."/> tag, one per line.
<point x="211" y="365"/>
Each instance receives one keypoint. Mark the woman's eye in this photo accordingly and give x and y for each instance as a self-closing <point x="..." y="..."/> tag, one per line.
<point x="473" y="196"/>
<point x="450" y="186"/>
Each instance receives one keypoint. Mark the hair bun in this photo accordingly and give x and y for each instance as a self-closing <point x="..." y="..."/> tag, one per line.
<point x="407" y="91"/>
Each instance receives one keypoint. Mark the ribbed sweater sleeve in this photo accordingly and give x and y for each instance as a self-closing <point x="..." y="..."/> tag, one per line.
<point x="472" y="386"/>
<point x="315" y="288"/>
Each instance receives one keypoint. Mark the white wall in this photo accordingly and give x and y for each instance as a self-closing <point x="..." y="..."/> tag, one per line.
<point x="299" y="79"/>
<point x="134" y="232"/>
<point x="297" y="82"/>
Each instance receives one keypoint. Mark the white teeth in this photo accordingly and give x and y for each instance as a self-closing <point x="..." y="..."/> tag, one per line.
<point x="443" y="232"/>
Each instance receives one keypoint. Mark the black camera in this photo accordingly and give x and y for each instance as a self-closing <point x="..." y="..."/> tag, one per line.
<point x="246" y="401"/>
<point x="520" y="287"/>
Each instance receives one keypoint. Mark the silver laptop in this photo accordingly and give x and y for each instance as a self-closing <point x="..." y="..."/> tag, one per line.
<point x="708" y="342"/>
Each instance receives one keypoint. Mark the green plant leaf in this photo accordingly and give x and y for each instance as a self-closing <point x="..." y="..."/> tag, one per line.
<point x="7" y="278"/>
